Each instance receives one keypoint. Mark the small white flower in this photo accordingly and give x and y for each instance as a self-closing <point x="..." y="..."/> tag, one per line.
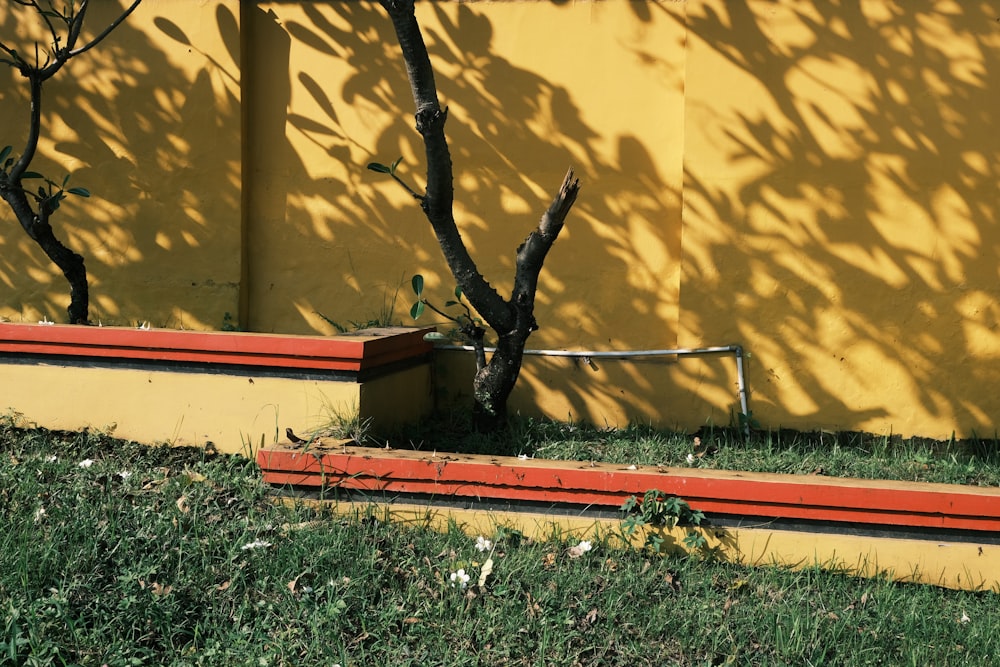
<point x="39" y="514"/>
<point x="483" y="544"/>
<point x="965" y="618"/>
<point x="86" y="463"/>
<point x="690" y="459"/>
<point x="583" y="547"/>
<point x="459" y="578"/>
<point x="52" y="458"/>
<point x="256" y="544"/>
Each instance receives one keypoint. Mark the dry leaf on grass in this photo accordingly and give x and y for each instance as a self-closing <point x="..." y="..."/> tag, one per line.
<point x="156" y="588"/>
<point x="485" y="571"/>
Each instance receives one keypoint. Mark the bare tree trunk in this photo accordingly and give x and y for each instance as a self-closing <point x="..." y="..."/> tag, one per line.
<point x="512" y="319"/>
<point x="36" y="223"/>
<point x="70" y="263"/>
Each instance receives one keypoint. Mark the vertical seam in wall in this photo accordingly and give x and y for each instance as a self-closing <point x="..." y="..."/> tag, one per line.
<point x="683" y="184"/>
<point x="246" y="9"/>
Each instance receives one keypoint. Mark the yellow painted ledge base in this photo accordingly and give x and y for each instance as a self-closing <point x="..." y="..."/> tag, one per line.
<point x="955" y="565"/>
<point x="237" y="414"/>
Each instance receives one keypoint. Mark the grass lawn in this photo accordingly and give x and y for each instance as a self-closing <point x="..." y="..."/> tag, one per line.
<point x="973" y="461"/>
<point x="119" y="554"/>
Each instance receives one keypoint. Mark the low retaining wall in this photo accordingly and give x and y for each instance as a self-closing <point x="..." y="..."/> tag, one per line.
<point x="940" y="534"/>
<point x="236" y="390"/>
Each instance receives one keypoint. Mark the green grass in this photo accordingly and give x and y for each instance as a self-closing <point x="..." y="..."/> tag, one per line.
<point x="142" y="557"/>
<point x="848" y="454"/>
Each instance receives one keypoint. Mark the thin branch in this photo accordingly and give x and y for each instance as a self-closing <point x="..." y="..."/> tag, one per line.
<point x="94" y="42"/>
<point x="531" y="255"/>
<point x="439" y="311"/>
<point x="416" y="195"/>
<point x="75" y="27"/>
<point x="15" y="58"/>
<point x="52" y="28"/>
<point x="34" y="128"/>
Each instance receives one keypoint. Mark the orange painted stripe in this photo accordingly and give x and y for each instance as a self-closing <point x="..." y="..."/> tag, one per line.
<point x="723" y="492"/>
<point x="347" y="353"/>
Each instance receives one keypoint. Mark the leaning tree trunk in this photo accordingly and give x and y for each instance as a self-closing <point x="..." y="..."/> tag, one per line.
<point x="512" y="319"/>
<point x="70" y="263"/>
<point x="36" y="223"/>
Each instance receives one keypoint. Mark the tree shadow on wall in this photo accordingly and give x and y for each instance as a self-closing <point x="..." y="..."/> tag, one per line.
<point x="841" y="206"/>
<point x="611" y="280"/>
<point x="150" y="124"/>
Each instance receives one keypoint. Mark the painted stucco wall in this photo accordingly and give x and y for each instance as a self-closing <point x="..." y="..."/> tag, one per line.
<point x="815" y="182"/>
<point x="149" y="122"/>
<point x="840" y="199"/>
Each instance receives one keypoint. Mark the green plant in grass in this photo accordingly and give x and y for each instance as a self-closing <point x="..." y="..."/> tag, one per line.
<point x="229" y="323"/>
<point x="342" y="423"/>
<point x="385" y="317"/>
<point x="658" y="510"/>
<point x="746" y="422"/>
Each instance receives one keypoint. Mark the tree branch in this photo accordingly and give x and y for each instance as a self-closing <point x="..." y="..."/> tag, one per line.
<point x="104" y="33"/>
<point x="531" y="255"/>
<point x="34" y="129"/>
<point x="438" y="202"/>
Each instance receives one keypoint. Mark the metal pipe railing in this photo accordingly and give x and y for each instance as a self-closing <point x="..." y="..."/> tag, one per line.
<point x="588" y="355"/>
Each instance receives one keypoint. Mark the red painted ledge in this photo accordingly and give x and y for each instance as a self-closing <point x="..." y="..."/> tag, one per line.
<point x="870" y="502"/>
<point x="360" y="351"/>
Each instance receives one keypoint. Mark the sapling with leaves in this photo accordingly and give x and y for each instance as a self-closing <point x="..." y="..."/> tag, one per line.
<point x="658" y="510"/>
<point x="33" y="205"/>
<point x="512" y="318"/>
<point x="468" y="327"/>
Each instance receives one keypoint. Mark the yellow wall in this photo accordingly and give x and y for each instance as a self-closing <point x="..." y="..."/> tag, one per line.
<point x="149" y="122"/>
<point x="840" y="208"/>
<point x="816" y="182"/>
